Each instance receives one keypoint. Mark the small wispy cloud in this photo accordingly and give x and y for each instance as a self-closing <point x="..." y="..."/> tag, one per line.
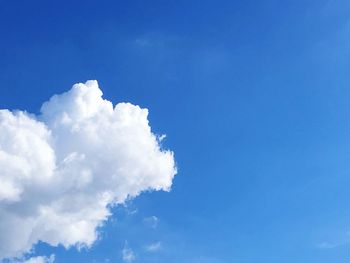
<point x="128" y="254"/>
<point x="154" y="247"/>
<point x="39" y="259"/>
<point x="151" y="221"/>
<point x="340" y="240"/>
<point x="328" y="245"/>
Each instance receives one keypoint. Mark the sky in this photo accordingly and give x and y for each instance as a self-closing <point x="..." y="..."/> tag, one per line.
<point x="253" y="99"/>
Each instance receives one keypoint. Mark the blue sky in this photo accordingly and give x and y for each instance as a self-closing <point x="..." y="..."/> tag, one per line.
<point x="254" y="99"/>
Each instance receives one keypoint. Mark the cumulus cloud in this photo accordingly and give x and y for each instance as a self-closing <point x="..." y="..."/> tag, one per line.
<point x="62" y="170"/>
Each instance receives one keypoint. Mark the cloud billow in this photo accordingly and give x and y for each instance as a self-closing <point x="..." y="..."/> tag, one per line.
<point x="62" y="170"/>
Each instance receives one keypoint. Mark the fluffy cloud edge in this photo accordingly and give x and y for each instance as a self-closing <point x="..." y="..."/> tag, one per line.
<point x="62" y="170"/>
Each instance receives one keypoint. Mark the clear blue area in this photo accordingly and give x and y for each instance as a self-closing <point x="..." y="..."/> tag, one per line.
<point x="253" y="95"/>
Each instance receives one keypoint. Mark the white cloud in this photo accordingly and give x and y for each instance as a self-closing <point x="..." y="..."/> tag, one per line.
<point x="330" y="245"/>
<point x="154" y="247"/>
<point x="62" y="170"/>
<point x="128" y="254"/>
<point x="327" y="245"/>
<point x="50" y="259"/>
<point x="337" y="239"/>
<point x="151" y="221"/>
<point x="39" y="259"/>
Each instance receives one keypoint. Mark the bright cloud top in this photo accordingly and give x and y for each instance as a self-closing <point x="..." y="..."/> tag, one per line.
<point x="60" y="171"/>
